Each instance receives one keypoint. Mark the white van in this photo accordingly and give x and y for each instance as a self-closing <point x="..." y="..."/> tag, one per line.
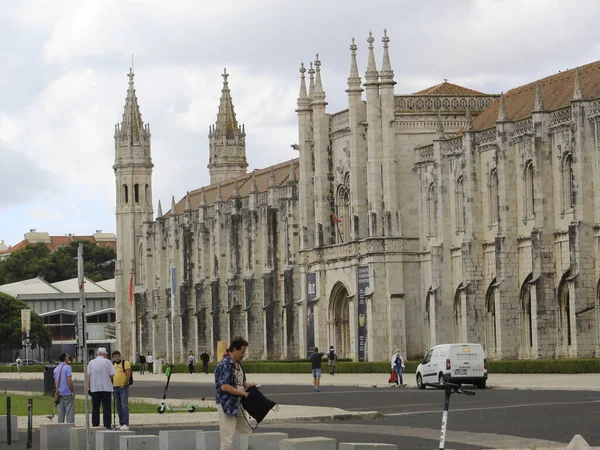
<point x="456" y="363"/>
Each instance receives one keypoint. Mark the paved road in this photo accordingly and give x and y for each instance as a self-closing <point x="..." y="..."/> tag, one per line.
<point x="493" y="418"/>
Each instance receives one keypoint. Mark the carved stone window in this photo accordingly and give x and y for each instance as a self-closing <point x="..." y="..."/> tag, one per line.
<point x="568" y="181"/>
<point x="529" y="192"/>
<point x="431" y="210"/>
<point x="125" y="194"/>
<point x="493" y="200"/>
<point x="460" y="204"/>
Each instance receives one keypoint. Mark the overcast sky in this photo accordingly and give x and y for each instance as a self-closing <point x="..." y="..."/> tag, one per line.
<point x="64" y="64"/>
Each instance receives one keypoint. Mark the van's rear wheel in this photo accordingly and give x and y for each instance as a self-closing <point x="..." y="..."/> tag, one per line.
<point x="480" y="384"/>
<point x="420" y="383"/>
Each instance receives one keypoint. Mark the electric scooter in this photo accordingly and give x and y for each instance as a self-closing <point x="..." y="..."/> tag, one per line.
<point x="164" y="406"/>
<point x="449" y="388"/>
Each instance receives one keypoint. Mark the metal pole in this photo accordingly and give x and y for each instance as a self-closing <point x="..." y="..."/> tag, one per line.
<point x="29" y="422"/>
<point x="81" y="280"/>
<point x="445" y="418"/>
<point x="8" y="422"/>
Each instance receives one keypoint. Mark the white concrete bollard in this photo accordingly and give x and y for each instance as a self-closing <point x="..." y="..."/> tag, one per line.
<point x="139" y="442"/>
<point x="175" y="440"/>
<point x="55" y="435"/>
<point x="109" y="439"/>
<point x="260" y="441"/>
<point x="312" y="443"/>
<point x="355" y="446"/>
<point x="77" y="437"/>
<point x="208" y="440"/>
<point x="578" y="443"/>
<point x="14" y="429"/>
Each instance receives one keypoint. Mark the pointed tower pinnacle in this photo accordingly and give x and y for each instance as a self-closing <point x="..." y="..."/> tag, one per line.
<point x="439" y="130"/>
<point x="173" y="208"/>
<point x="469" y="121"/>
<point x="219" y="193"/>
<point x="292" y="175"/>
<point x="538" y="104"/>
<point x="303" y="100"/>
<point x="254" y="187"/>
<point x="371" y="74"/>
<point x="311" y="83"/>
<point x="386" y="74"/>
<point x="132" y="126"/>
<point x="188" y="204"/>
<point x="272" y="181"/>
<point x="159" y="213"/>
<point x="354" y="81"/>
<point x="226" y="125"/>
<point x="577" y="91"/>
<point x="502" y="117"/>
<point x="318" y="93"/>
<point x="236" y="189"/>
<point x="203" y="203"/>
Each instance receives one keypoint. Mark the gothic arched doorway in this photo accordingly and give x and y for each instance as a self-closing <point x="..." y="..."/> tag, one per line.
<point x="565" y="335"/>
<point x="339" y="320"/>
<point x="527" y="316"/>
<point x="490" y="310"/>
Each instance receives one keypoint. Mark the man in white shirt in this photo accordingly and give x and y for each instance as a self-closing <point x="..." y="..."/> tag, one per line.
<point x="101" y="372"/>
<point x="19" y="362"/>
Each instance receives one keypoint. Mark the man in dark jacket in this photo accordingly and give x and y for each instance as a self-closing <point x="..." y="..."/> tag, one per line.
<point x="315" y="363"/>
<point x="205" y="358"/>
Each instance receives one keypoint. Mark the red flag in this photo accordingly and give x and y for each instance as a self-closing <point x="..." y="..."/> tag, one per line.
<point x="335" y="218"/>
<point x="131" y="290"/>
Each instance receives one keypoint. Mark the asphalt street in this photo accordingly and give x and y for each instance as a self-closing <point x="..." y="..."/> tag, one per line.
<point x="498" y="418"/>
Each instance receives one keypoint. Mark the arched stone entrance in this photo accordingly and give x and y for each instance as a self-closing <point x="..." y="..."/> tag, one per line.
<point x="565" y="332"/>
<point x="339" y="320"/>
<point x="491" y="326"/>
<point x="527" y="319"/>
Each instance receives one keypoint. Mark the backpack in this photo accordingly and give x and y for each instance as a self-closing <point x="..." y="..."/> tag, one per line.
<point x="398" y="361"/>
<point x="130" y="378"/>
<point x="331" y="354"/>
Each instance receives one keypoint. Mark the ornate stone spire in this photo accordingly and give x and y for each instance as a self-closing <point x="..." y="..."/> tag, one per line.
<point x="292" y="175"/>
<point x="502" y="117"/>
<point x="354" y="81"/>
<point x="538" y="104"/>
<point x="173" y="208"/>
<point x="226" y="125"/>
<point x="439" y="130"/>
<point x="469" y="121"/>
<point x="203" y="203"/>
<point x="386" y="74"/>
<point x="219" y="193"/>
<point x="188" y="203"/>
<point x="371" y="73"/>
<point x="132" y="126"/>
<point x="159" y="213"/>
<point x="272" y="181"/>
<point x="318" y="93"/>
<point x="254" y="187"/>
<point x="303" y="100"/>
<point x="236" y="189"/>
<point x="311" y="83"/>
<point x="577" y="91"/>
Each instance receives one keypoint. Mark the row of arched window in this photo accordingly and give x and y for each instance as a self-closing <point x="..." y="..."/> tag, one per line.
<point x="568" y="196"/>
<point x="136" y="194"/>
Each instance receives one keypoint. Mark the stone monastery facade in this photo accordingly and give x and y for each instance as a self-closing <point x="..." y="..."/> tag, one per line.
<point x="448" y="215"/>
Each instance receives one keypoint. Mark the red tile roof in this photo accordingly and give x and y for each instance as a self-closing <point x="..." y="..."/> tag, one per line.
<point x="557" y="92"/>
<point x="57" y="242"/>
<point x="446" y="88"/>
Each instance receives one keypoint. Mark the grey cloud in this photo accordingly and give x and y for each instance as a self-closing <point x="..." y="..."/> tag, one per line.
<point x="21" y="179"/>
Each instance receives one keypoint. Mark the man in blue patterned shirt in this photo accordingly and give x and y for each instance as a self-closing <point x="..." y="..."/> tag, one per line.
<point x="231" y="385"/>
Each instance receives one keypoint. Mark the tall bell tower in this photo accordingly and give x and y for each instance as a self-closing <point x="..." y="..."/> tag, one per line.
<point x="227" y="157"/>
<point x="133" y="176"/>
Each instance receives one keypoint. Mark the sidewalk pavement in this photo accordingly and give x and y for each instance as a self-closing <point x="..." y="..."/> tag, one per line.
<point x="584" y="381"/>
<point x="292" y="413"/>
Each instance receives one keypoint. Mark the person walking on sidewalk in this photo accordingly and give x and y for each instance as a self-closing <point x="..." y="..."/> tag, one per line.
<point x="142" y="364"/>
<point x="121" y="389"/>
<point x="19" y="363"/>
<point x="315" y="364"/>
<point x="101" y="373"/>
<point x="63" y="383"/>
<point x="398" y="367"/>
<point x="150" y="361"/>
<point x="191" y="363"/>
<point x="231" y="386"/>
<point x="205" y="358"/>
<point x="331" y="359"/>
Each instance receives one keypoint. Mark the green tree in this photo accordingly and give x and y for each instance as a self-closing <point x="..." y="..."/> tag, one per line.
<point x="36" y="260"/>
<point x="10" y="325"/>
